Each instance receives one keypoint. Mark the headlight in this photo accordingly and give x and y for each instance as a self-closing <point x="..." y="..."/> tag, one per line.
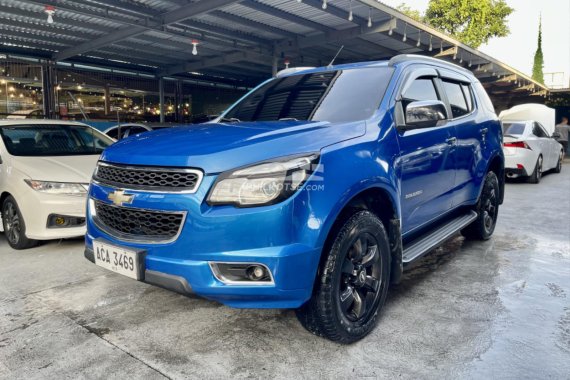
<point x="61" y="188"/>
<point x="262" y="184"/>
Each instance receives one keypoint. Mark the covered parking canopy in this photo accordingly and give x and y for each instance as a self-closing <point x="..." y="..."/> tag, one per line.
<point x="243" y="41"/>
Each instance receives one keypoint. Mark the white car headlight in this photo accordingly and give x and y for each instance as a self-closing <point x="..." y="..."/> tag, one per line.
<point x="61" y="188"/>
<point x="262" y="184"/>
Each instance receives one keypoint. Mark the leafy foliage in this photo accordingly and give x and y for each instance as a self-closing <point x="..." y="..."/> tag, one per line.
<point x="472" y="22"/>
<point x="538" y="65"/>
<point x="410" y="12"/>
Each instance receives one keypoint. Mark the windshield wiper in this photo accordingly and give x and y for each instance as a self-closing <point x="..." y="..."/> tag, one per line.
<point x="230" y="120"/>
<point x="288" y="119"/>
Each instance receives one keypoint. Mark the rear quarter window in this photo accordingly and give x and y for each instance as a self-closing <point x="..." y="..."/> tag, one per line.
<point x="514" y="128"/>
<point x="456" y="97"/>
<point x="483" y="97"/>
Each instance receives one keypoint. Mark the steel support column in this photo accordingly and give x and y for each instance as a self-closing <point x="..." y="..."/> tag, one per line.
<point x="48" y="97"/>
<point x="107" y="100"/>
<point x="161" y="98"/>
<point x="274" y="66"/>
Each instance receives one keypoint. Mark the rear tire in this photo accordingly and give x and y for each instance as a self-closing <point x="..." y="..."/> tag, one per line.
<point x="487" y="209"/>
<point x="14" y="226"/>
<point x="537" y="173"/>
<point x="558" y="167"/>
<point x="352" y="283"/>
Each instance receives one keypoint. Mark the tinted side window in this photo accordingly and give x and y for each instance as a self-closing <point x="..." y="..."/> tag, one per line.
<point x="114" y="133"/>
<point x="136" y="130"/>
<point x="468" y="96"/>
<point x="420" y="89"/>
<point x="538" y="131"/>
<point x="484" y="97"/>
<point x="456" y="99"/>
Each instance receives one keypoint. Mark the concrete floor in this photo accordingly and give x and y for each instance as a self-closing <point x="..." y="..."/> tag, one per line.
<point x="498" y="309"/>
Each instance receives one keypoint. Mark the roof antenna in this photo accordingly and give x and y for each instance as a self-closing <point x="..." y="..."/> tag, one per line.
<point x="336" y="55"/>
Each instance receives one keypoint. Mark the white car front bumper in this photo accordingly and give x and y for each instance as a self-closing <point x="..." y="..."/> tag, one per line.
<point x="36" y="207"/>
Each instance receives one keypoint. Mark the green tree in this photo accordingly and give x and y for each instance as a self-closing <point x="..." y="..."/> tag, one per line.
<point x="472" y="22"/>
<point x="538" y="65"/>
<point x="410" y="12"/>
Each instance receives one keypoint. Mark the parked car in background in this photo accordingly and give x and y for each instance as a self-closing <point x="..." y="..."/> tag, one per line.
<point x="126" y="130"/>
<point x="530" y="150"/>
<point x="45" y="169"/>
<point x="26" y="114"/>
<point x="312" y="192"/>
<point x="203" y="118"/>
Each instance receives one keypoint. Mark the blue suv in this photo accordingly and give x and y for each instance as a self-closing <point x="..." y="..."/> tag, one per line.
<point x="314" y="191"/>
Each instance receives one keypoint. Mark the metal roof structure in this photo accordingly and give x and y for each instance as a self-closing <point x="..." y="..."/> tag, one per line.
<point x="241" y="40"/>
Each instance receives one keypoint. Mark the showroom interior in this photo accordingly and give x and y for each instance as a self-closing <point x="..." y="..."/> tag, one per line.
<point x="494" y="308"/>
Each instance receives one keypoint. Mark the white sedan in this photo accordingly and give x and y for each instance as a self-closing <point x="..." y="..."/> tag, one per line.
<point x="45" y="169"/>
<point x="530" y="150"/>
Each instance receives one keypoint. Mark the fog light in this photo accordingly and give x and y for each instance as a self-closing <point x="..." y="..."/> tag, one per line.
<point x="255" y="272"/>
<point x="242" y="273"/>
<point x="63" y="221"/>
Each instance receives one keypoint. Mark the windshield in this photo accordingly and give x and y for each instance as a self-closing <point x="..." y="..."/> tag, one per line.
<point x="334" y="96"/>
<point x="514" y="128"/>
<point x="53" y="140"/>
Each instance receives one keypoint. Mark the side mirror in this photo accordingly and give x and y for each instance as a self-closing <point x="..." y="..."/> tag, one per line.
<point x="556" y="135"/>
<point x="425" y="114"/>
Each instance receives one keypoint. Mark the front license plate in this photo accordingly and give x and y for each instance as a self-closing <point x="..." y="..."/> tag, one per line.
<point x="117" y="259"/>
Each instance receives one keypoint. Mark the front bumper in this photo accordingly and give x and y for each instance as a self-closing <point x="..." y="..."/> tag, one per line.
<point x="36" y="207"/>
<point x="177" y="284"/>
<point x="292" y="267"/>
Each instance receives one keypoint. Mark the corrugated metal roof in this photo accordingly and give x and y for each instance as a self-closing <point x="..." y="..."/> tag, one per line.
<point x="231" y="34"/>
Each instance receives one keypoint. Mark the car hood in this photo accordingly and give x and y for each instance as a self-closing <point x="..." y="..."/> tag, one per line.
<point x="215" y="148"/>
<point x="75" y="169"/>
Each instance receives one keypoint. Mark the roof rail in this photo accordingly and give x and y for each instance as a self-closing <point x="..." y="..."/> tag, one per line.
<point x="292" y="70"/>
<point x="416" y="57"/>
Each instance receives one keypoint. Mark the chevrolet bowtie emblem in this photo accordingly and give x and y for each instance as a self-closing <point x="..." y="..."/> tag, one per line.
<point x="119" y="198"/>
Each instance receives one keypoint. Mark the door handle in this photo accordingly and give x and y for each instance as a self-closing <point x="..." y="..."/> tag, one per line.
<point x="451" y="140"/>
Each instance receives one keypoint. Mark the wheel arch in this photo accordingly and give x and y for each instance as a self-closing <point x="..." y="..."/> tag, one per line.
<point x="382" y="202"/>
<point x="3" y="197"/>
<point x="497" y="166"/>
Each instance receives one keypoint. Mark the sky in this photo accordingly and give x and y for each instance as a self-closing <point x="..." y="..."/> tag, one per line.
<point x="517" y="50"/>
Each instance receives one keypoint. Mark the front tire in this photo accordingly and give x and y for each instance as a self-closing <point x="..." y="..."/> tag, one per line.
<point x="537" y="173"/>
<point x="487" y="209"/>
<point x="14" y="226"/>
<point x="352" y="283"/>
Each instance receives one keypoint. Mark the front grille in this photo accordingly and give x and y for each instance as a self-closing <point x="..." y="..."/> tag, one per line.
<point x="138" y="224"/>
<point x="148" y="178"/>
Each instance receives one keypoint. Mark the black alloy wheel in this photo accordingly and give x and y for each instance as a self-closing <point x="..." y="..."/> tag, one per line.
<point x="352" y="281"/>
<point x="359" y="283"/>
<point x="487" y="209"/>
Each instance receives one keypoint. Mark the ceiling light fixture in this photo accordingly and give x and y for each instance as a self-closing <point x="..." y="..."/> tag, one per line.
<point x="350" y="16"/>
<point x="405" y="38"/>
<point x="324" y="4"/>
<point x="430" y="43"/>
<point x="195" y="44"/>
<point x="50" y="10"/>
<point x="370" y="17"/>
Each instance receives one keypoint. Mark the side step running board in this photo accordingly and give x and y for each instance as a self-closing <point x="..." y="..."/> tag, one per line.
<point x="432" y="239"/>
